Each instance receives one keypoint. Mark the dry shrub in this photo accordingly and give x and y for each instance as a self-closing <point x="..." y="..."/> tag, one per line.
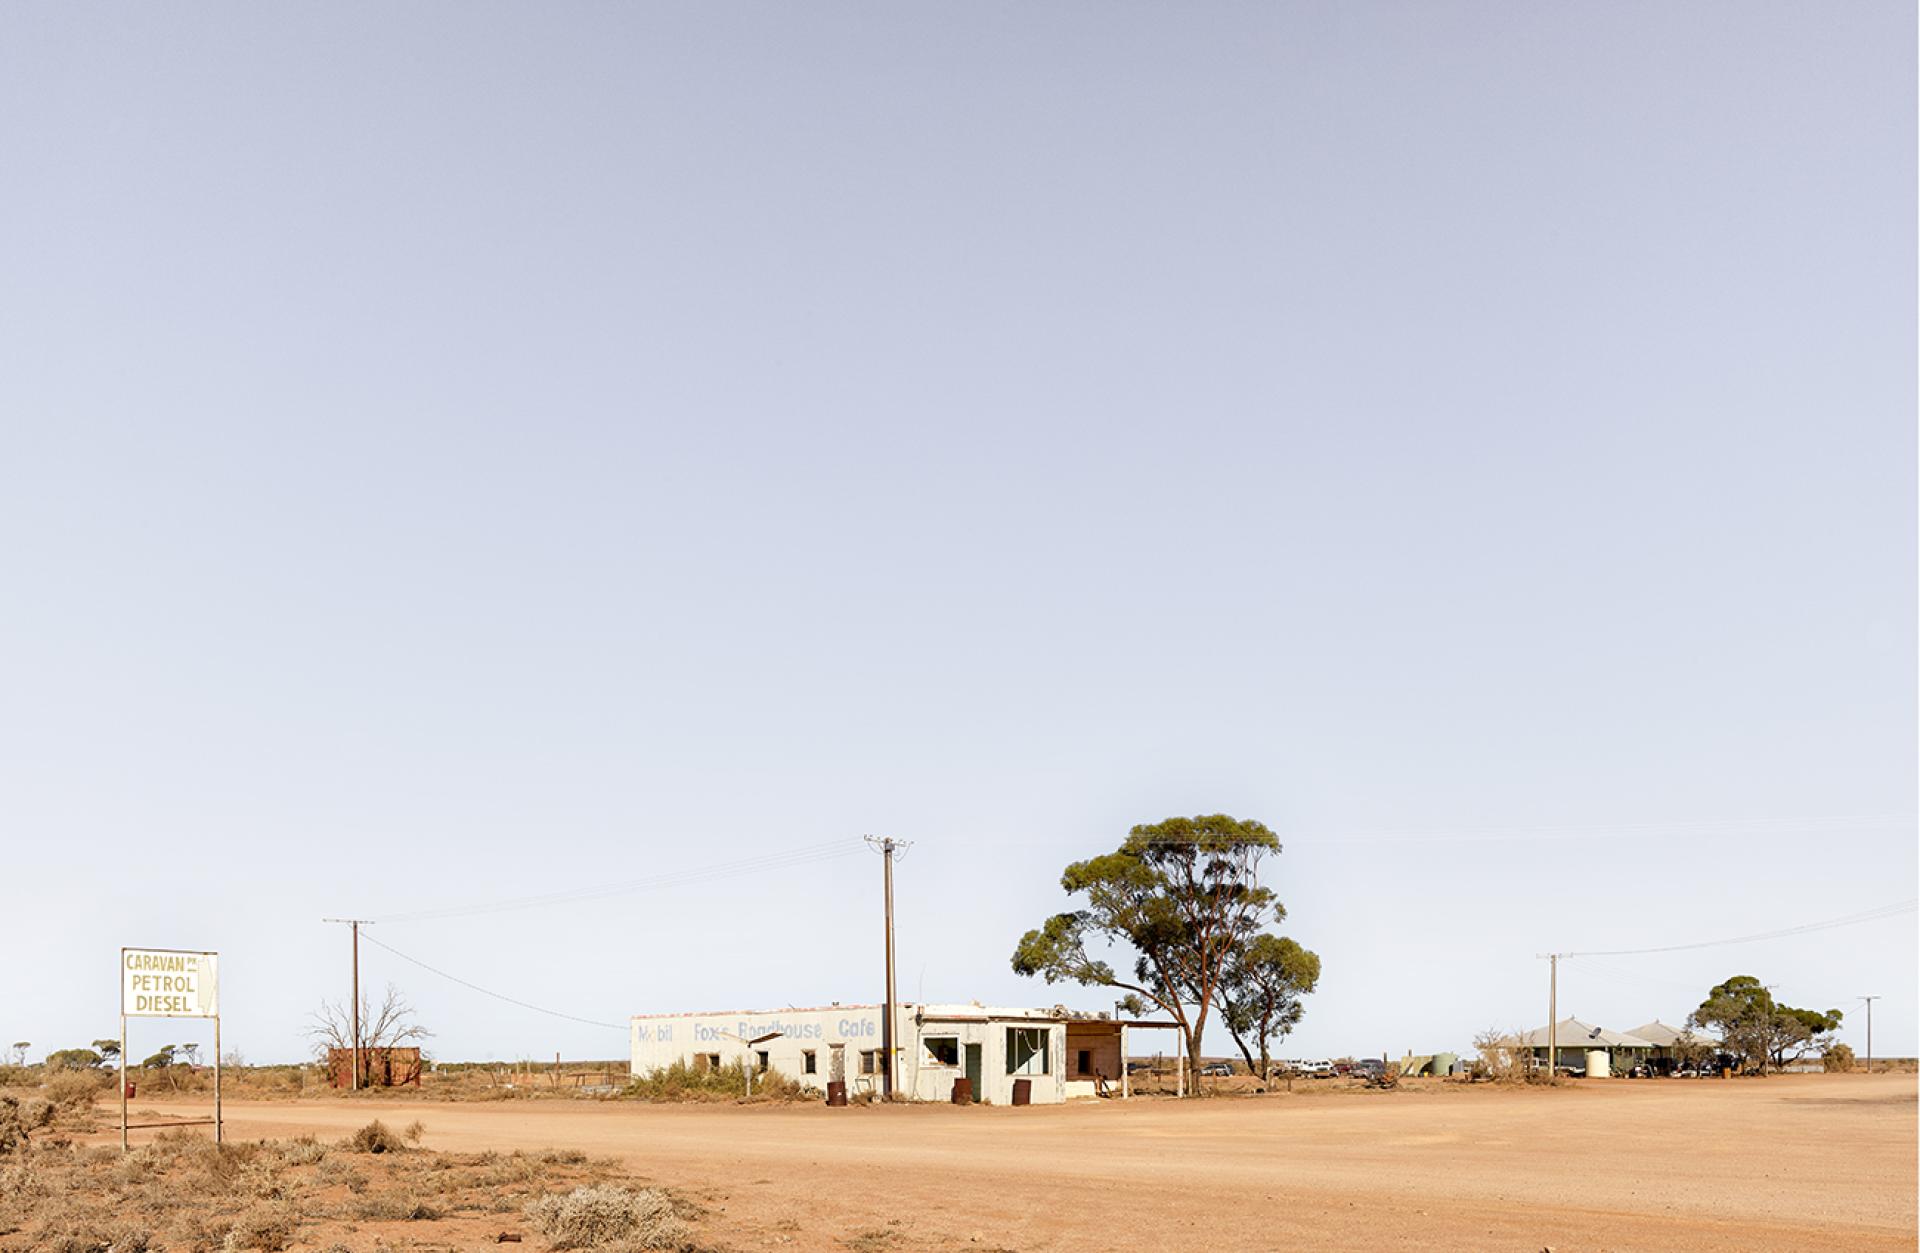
<point x="684" y="1081"/>
<point x="77" y="1089"/>
<point x="19" y="1119"/>
<point x="90" y="1237"/>
<point x="597" y="1217"/>
<point x="1503" y="1058"/>
<point x="306" y="1151"/>
<point x="1837" y="1058"/>
<point x="375" y="1137"/>
<point x="268" y="1227"/>
<point x="393" y="1207"/>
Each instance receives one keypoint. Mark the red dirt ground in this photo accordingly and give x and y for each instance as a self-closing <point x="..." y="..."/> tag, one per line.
<point x="1821" y="1162"/>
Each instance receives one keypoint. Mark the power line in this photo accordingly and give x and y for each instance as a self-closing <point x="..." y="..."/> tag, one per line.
<point x="782" y="860"/>
<point x="498" y="996"/>
<point x="1825" y="824"/>
<point x="1870" y="915"/>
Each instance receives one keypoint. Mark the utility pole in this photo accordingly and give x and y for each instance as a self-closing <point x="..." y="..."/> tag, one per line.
<point x="1869" y="1000"/>
<point x="356" y="924"/>
<point x="1553" y="1012"/>
<point x="887" y="847"/>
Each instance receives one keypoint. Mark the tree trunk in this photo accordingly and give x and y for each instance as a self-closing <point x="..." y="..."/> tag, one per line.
<point x="1245" y="1051"/>
<point x="1193" y="1058"/>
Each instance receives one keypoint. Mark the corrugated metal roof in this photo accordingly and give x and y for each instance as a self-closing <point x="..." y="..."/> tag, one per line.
<point x="1663" y="1036"/>
<point x="1571" y="1033"/>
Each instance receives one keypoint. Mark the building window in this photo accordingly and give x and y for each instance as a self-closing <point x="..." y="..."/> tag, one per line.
<point x="1086" y="1061"/>
<point x="762" y="1056"/>
<point x="943" y="1050"/>
<point x="807" y="1064"/>
<point x="866" y="1061"/>
<point x="1027" y="1050"/>
<point x="710" y="1061"/>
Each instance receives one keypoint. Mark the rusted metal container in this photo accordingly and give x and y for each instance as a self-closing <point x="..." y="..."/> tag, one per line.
<point x="379" y="1067"/>
<point x="1023" y="1091"/>
<point x="836" y="1092"/>
<point x="963" y="1091"/>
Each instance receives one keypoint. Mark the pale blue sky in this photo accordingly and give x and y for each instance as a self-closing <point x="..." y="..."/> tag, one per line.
<point x="453" y="452"/>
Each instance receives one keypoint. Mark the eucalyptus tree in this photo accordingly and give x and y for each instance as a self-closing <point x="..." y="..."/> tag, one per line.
<point x="1179" y="898"/>
<point x="1260" y="998"/>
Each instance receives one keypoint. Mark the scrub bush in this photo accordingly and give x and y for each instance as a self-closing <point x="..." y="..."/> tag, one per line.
<point x="683" y="1081"/>
<point x="375" y="1137"/>
<point x="597" y="1217"/>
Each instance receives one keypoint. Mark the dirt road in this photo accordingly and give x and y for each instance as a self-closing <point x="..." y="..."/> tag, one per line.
<point x="1799" y="1162"/>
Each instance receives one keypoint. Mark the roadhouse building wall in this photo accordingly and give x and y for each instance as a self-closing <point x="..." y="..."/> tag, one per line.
<point x="1061" y="1054"/>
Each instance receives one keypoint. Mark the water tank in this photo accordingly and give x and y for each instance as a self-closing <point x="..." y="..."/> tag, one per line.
<point x="1443" y="1064"/>
<point x="1597" y="1064"/>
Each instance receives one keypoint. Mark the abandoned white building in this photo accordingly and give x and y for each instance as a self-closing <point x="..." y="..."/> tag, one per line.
<point x="1060" y="1054"/>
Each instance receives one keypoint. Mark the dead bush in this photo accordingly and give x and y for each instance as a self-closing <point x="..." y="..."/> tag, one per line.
<point x="595" y="1217"/>
<point x="1502" y="1057"/>
<point x="268" y="1227"/>
<point x="375" y="1137"/>
<point x="76" y="1089"/>
<point x="306" y="1151"/>
<point x="19" y="1119"/>
<point x="393" y="1207"/>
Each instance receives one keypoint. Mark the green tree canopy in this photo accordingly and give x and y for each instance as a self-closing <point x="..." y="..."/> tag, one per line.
<point x="72" y="1059"/>
<point x="1181" y="896"/>
<point x="1756" y="1027"/>
<point x="1260" y="995"/>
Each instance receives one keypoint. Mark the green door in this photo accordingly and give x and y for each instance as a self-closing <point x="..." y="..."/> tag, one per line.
<point x="973" y="1070"/>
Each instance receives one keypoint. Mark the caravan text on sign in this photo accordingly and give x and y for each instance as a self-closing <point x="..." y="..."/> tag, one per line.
<point x="161" y="983"/>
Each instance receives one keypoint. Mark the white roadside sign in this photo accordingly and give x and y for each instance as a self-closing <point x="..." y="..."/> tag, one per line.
<point x="168" y="983"/>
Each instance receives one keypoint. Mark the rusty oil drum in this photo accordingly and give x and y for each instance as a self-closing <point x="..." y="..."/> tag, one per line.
<point x="963" y="1091"/>
<point x="836" y="1092"/>
<point x="1023" y="1091"/>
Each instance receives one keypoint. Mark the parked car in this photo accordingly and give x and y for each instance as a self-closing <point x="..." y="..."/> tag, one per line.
<point x="1217" y="1068"/>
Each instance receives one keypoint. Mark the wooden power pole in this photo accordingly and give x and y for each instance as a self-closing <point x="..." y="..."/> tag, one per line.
<point x="887" y="846"/>
<point x="356" y="924"/>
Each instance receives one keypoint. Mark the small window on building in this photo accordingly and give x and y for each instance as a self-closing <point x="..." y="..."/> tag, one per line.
<point x="808" y="1065"/>
<point x="1027" y="1050"/>
<point x="943" y="1050"/>
<point x="762" y="1056"/>
<point x="1084" y="1062"/>
<point x="710" y="1061"/>
<point x="867" y="1061"/>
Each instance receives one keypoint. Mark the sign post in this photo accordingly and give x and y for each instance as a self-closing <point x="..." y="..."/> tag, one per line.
<point x="169" y="983"/>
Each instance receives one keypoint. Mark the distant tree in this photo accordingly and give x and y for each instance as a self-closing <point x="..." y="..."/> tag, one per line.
<point x="190" y="1054"/>
<point x="392" y="1025"/>
<point x="109" y="1049"/>
<point x="19" y="1051"/>
<point x="1689" y="1049"/>
<point x="162" y="1059"/>
<point x="72" y="1059"/>
<point x="1181" y="896"/>
<point x="1757" y="1028"/>
<point x="1260" y="993"/>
